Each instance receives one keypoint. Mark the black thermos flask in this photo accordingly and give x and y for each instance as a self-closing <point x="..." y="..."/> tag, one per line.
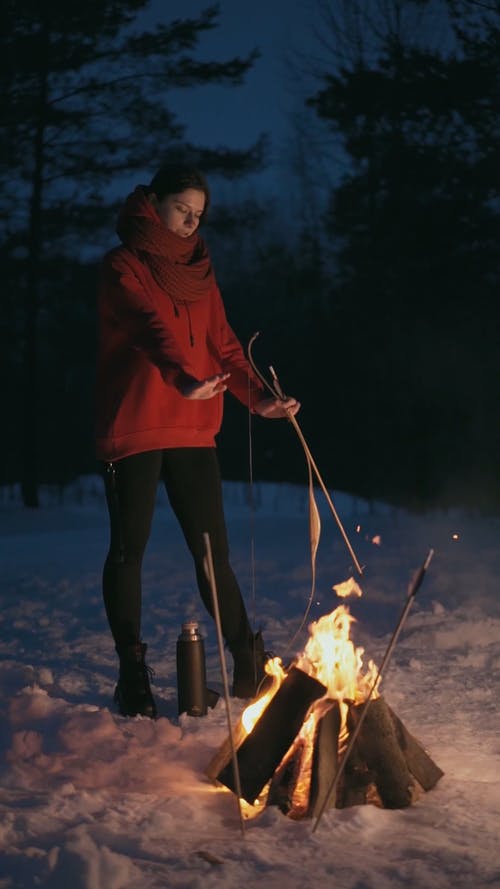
<point x="191" y="673"/>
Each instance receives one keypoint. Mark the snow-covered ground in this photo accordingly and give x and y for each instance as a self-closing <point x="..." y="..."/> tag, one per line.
<point x="91" y="800"/>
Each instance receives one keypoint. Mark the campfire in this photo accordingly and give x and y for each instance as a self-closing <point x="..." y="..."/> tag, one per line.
<point x="290" y="742"/>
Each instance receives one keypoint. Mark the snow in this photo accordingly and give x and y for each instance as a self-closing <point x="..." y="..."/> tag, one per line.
<point x="92" y="800"/>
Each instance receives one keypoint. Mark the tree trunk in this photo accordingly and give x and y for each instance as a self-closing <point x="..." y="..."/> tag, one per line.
<point x="30" y="451"/>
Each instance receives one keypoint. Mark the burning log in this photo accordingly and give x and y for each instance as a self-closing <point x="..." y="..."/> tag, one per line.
<point x="325" y="761"/>
<point x="387" y="766"/>
<point x="380" y="753"/>
<point x="263" y="749"/>
<point x="325" y="737"/>
<point x="420" y="764"/>
<point x="299" y="784"/>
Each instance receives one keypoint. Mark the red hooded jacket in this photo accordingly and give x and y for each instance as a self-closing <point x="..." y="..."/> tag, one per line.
<point x="147" y="347"/>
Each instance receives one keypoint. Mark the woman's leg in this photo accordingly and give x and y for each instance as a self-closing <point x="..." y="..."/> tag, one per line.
<point x="193" y="484"/>
<point x="131" y="486"/>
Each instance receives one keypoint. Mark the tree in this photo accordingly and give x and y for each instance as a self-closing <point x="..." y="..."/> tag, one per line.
<point x="415" y="222"/>
<point x="86" y="92"/>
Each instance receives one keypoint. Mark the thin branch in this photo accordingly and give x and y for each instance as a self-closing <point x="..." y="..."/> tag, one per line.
<point x="495" y="8"/>
<point x="231" y="70"/>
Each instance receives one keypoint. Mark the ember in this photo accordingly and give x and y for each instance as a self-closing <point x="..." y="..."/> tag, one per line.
<point x="347" y="588"/>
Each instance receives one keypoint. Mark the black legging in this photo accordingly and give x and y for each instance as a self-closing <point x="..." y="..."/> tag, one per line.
<point x="192" y="480"/>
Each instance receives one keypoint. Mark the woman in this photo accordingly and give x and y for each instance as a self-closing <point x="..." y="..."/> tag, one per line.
<point x="166" y="356"/>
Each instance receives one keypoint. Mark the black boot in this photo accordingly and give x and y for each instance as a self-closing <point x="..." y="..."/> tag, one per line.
<point x="133" y="692"/>
<point x="249" y="661"/>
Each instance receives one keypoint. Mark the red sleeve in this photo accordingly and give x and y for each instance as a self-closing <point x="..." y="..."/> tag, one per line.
<point x="126" y="303"/>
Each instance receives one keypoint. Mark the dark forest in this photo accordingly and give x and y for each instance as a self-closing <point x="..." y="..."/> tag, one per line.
<point x="381" y="317"/>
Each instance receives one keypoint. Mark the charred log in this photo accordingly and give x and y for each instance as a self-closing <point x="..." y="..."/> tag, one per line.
<point x="386" y="767"/>
<point x="222" y="757"/>
<point x="263" y="749"/>
<point x="378" y="748"/>
<point x="284" y="781"/>
<point x="357" y="784"/>
<point x="325" y="761"/>
<point x="420" y="764"/>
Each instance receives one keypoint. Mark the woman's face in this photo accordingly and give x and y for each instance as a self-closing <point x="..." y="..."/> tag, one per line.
<point x="181" y="212"/>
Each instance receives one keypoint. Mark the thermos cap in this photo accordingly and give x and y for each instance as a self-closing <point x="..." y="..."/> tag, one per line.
<point x="190" y="628"/>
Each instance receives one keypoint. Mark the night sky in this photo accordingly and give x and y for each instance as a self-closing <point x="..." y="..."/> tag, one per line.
<point x="237" y="116"/>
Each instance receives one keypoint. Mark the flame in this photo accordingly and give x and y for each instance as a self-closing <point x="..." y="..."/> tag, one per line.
<point x="377" y="540"/>
<point x="251" y="714"/>
<point x="347" y="588"/>
<point x="300" y="795"/>
<point x="331" y="658"/>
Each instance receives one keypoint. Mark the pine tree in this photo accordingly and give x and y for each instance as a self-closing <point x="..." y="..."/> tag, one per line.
<point x="416" y="222"/>
<point x="85" y="90"/>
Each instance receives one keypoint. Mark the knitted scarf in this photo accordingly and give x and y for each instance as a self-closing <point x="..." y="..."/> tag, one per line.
<point x="180" y="266"/>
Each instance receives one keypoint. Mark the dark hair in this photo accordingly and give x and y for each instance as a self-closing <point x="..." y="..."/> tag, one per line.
<point x="174" y="178"/>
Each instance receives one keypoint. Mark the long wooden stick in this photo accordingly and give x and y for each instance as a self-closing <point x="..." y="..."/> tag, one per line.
<point x="209" y="566"/>
<point x="277" y="392"/>
<point x="325" y="492"/>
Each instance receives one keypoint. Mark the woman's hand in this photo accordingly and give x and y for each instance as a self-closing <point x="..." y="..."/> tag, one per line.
<point x="274" y="408"/>
<point x="203" y="389"/>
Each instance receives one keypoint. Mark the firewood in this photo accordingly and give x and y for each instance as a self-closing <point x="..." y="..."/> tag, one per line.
<point x="223" y="755"/>
<point x="420" y="764"/>
<point x="284" y="780"/>
<point x="387" y="766"/>
<point x="378" y="745"/>
<point x="325" y="759"/>
<point x="263" y="749"/>
<point x="356" y="783"/>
